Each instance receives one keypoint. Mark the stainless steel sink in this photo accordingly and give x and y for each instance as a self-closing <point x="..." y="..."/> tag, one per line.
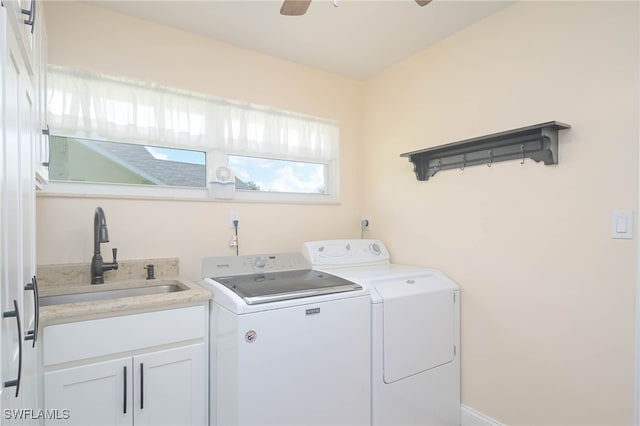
<point x="110" y="294"/>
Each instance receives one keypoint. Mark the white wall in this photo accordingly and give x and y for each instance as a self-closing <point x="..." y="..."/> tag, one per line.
<point x="547" y="295"/>
<point x="89" y="37"/>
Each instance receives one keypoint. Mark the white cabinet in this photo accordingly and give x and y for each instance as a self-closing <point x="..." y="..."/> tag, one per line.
<point x="94" y="394"/>
<point x="25" y="19"/>
<point x="13" y="79"/>
<point x="162" y="380"/>
<point x="23" y="15"/>
<point x="41" y="144"/>
<point x="22" y="116"/>
<point x="156" y="388"/>
<point x="169" y="387"/>
<point x="19" y="131"/>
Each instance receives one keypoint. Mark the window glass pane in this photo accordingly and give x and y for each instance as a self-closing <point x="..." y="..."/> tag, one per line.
<point x="266" y="174"/>
<point x="84" y="160"/>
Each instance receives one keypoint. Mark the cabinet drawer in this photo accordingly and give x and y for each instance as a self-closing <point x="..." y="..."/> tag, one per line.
<point x="88" y="339"/>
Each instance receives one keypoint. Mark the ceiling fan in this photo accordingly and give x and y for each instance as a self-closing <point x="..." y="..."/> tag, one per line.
<point x="299" y="7"/>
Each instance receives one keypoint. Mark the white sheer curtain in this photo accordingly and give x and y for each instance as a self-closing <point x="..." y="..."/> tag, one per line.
<point x="83" y="104"/>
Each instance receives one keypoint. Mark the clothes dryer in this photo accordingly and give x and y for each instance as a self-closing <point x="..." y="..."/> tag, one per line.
<point x="415" y="323"/>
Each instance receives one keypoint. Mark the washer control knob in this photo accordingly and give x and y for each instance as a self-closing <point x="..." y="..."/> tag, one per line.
<point x="375" y="249"/>
<point x="259" y="262"/>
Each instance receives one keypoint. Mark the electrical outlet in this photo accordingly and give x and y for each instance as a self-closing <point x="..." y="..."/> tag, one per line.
<point x="233" y="215"/>
<point x="365" y="223"/>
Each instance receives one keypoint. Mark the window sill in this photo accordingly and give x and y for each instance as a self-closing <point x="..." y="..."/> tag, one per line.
<point x="143" y="192"/>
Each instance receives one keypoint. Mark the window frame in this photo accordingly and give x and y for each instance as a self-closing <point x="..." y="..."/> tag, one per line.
<point x="214" y="159"/>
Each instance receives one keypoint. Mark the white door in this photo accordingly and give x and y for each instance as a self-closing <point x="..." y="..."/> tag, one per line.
<point x="171" y="387"/>
<point x="28" y="129"/>
<point x="16" y="85"/>
<point x="19" y="128"/>
<point x="3" y="283"/>
<point x="94" y="394"/>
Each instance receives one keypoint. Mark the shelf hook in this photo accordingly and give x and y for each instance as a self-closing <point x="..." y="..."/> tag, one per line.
<point x="523" y="149"/>
<point x="464" y="161"/>
<point x="490" y="158"/>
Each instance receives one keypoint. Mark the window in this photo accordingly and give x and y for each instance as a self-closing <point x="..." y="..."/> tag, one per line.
<point x="133" y="167"/>
<point x="120" y="132"/>
<point x="83" y="160"/>
<point x="270" y="175"/>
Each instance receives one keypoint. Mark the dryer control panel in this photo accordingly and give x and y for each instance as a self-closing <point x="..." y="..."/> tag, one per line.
<point x="345" y="252"/>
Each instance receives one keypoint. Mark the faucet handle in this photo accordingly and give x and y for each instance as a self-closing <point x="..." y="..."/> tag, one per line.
<point x="115" y="254"/>
<point x="150" y="272"/>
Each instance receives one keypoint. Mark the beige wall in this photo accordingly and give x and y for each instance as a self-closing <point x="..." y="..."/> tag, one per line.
<point x="547" y="295"/>
<point x="89" y="37"/>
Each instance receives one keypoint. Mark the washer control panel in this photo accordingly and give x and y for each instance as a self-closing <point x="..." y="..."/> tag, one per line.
<point x="249" y="264"/>
<point x="345" y="252"/>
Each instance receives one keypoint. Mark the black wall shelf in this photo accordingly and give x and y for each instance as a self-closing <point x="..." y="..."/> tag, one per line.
<point x="538" y="142"/>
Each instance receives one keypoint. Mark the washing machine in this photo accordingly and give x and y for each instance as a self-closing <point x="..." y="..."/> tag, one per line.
<point x="415" y="341"/>
<point x="289" y="345"/>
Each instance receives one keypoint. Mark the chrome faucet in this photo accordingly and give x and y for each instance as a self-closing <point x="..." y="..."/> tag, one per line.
<point x="100" y="235"/>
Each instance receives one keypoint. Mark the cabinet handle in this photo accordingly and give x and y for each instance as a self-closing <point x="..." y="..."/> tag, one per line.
<point x="32" y="15"/>
<point x="124" y="402"/>
<point x="33" y="334"/>
<point x="141" y="386"/>
<point x="47" y="133"/>
<point x="15" y="313"/>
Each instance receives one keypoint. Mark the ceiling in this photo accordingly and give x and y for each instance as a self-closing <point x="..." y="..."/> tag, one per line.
<point x="356" y="39"/>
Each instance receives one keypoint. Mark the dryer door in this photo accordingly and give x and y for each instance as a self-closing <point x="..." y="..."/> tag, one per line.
<point x="418" y="325"/>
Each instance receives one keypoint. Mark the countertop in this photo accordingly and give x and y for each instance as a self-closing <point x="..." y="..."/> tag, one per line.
<point x="70" y="279"/>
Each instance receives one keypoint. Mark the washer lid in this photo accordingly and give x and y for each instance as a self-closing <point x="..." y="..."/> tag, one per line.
<point x="275" y="286"/>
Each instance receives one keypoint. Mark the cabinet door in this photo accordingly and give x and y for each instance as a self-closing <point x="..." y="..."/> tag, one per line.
<point x="19" y="12"/>
<point x="18" y="89"/>
<point x="94" y="394"/>
<point x="28" y="135"/>
<point x="3" y="278"/>
<point x="41" y="148"/>
<point x="171" y="387"/>
<point x="18" y="134"/>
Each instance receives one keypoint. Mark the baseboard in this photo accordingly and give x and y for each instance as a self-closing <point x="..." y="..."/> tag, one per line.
<point x="471" y="417"/>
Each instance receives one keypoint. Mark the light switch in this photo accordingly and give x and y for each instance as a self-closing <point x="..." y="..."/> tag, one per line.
<point x="622" y="224"/>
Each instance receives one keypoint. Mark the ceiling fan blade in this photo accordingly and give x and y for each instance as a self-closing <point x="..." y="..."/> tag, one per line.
<point x="295" y="7"/>
<point x="423" y="2"/>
